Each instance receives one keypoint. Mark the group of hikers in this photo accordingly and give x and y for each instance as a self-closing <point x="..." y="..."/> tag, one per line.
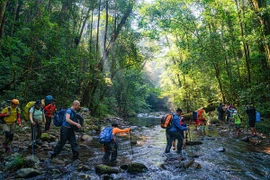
<point x="40" y="116"/>
<point x="173" y="123"/>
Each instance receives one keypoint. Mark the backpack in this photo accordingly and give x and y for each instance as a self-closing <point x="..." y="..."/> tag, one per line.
<point x="59" y="117"/>
<point x="2" y="120"/>
<point x="26" y="109"/>
<point x="106" y="135"/>
<point x="166" y="121"/>
<point x="78" y="119"/>
<point x="48" y="100"/>
<point x="258" y="117"/>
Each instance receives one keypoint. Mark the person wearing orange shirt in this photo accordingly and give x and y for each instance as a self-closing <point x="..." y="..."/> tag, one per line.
<point x="201" y="119"/>
<point x="49" y="110"/>
<point x="110" y="149"/>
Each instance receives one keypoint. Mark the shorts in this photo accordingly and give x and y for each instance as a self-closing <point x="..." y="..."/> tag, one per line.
<point x="252" y="123"/>
<point x="9" y="128"/>
<point x="237" y="126"/>
<point x="203" y="122"/>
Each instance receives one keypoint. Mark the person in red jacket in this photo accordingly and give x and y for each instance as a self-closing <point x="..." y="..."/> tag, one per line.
<point x="49" y="110"/>
<point x="201" y="119"/>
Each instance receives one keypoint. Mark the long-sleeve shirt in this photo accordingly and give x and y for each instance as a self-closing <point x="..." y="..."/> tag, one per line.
<point x="49" y="109"/>
<point x="176" y="124"/>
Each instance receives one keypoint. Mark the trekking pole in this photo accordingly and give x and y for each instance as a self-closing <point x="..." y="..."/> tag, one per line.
<point x="33" y="140"/>
<point x="130" y="138"/>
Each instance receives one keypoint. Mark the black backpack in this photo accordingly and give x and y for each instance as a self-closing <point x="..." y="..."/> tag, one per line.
<point x="78" y="119"/>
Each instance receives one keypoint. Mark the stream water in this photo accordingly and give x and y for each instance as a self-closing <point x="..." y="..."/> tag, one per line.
<point x="241" y="160"/>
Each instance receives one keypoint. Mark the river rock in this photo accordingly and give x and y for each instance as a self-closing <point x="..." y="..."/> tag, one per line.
<point x="196" y="165"/>
<point x="86" y="138"/>
<point x="136" y="168"/>
<point x="83" y="167"/>
<point x="245" y="139"/>
<point x="221" y="149"/>
<point x="188" y="163"/>
<point x="104" y="169"/>
<point x="30" y="161"/>
<point x="28" y="172"/>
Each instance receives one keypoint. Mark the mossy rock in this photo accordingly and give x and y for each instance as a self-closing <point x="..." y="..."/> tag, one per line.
<point x="16" y="163"/>
<point x="45" y="137"/>
<point x="104" y="169"/>
<point x="136" y="168"/>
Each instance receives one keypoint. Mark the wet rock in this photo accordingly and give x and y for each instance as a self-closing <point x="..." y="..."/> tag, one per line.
<point x="28" y="172"/>
<point x="92" y="132"/>
<point x="221" y="149"/>
<point x="124" y="167"/>
<point x="104" y="169"/>
<point x="196" y="165"/>
<point x="31" y="161"/>
<point x="188" y="163"/>
<point x="26" y="128"/>
<point x="245" y="139"/>
<point x="57" y="161"/>
<point x="136" y="168"/>
<point x="133" y="142"/>
<point x="14" y="162"/>
<point x="149" y="125"/>
<point x="53" y="138"/>
<point x="83" y="167"/>
<point x="86" y="138"/>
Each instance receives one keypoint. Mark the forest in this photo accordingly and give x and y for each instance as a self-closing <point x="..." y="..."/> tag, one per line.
<point x="123" y="57"/>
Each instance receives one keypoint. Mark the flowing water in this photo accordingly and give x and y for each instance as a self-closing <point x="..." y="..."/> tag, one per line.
<point x="241" y="160"/>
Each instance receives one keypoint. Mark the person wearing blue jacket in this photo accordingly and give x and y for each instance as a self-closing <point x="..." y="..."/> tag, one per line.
<point x="175" y="132"/>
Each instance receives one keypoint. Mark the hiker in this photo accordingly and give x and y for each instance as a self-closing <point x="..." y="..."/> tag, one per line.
<point x="176" y="131"/>
<point x="49" y="110"/>
<point x="251" y="112"/>
<point x="37" y="118"/>
<point x="11" y="114"/>
<point x="201" y="119"/>
<point x="182" y="133"/>
<point x="237" y="122"/>
<point x="110" y="148"/>
<point x="228" y="112"/>
<point x="221" y="113"/>
<point x="67" y="132"/>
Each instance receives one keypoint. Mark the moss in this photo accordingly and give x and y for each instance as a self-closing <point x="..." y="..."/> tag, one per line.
<point x="15" y="164"/>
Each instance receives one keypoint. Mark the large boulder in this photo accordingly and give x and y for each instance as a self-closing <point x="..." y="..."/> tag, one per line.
<point x="104" y="169"/>
<point x="28" y="173"/>
<point x="136" y="168"/>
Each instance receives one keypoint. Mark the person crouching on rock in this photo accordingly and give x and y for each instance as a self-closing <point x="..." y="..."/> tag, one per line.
<point x="110" y="148"/>
<point x="67" y="133"/>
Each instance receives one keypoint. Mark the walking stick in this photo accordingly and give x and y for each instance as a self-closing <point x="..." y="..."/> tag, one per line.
<point x="130" y="138"/>
<point x="33" y="140"/>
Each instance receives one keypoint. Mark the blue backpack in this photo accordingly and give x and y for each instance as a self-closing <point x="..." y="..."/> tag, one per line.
<point x="258" y="117"/>
<point x="48" y="100"/>
<point x="106" y="135"/>
<point x="59" y="117"/>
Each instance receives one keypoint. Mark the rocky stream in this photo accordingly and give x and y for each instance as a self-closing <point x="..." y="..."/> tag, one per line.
<point x="215" y="154"/>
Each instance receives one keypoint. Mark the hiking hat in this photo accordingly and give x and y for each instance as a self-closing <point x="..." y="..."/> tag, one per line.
<point x="15" y="101"/>
<point x="38" y="102"/>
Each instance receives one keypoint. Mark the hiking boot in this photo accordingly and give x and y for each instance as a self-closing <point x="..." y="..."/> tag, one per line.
<point x="9" y="150"/>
